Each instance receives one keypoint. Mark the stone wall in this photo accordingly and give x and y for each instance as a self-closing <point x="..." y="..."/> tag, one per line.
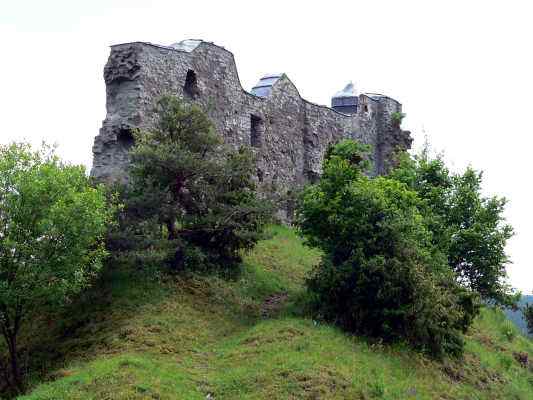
<point x="288" y="134"/>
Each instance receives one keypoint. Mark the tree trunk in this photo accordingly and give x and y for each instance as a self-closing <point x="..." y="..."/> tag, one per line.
<point x="14" y="361"/>
<point x="4" y="371"/>
<point x="172" y="230"/>
<point x="10" y="332"/>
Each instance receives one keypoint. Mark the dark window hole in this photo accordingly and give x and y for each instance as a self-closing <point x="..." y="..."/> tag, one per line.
<point x="257" y="128"/>
<point x="191" y="85"/>
<point x="125" y="138"/>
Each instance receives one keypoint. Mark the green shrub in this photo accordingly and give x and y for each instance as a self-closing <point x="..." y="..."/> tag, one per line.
<point x="377" y="387"/>
<point x="380" y="275"/>
<point x="506" y="361"/>
<point x="191" y="202"/>
<point x="509" y="330"/>
<point x="397" y="118"/>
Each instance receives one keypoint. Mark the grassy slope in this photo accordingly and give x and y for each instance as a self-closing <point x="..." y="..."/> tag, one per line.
<point x="164" y="338"/>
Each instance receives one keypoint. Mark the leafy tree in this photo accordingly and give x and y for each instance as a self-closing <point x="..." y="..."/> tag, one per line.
<point x="52" y="225"/>
<point x="468" y="227"/>
<point x="381" y="275"/>
<point x="191" y="201"/>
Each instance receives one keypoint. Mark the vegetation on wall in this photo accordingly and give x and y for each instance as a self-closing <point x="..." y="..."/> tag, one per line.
<point x="397" y="118"/>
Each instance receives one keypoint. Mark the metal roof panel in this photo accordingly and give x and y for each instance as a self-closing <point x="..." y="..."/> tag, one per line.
<point x="187" y="45"/>
<point x="264" y="86"/>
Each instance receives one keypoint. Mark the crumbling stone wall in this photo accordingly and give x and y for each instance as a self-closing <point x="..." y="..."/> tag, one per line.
<point x="289" y="134"/>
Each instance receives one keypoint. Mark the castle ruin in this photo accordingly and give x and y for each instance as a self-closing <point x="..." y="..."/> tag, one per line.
<point x="288" y="133"/>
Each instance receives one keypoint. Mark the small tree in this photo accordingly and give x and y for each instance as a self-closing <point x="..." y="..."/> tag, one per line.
<point x="52" y="224"/>
<point x="466" y="226"/>
<point x="381" y="275"/>
<point x="191" y="200"/>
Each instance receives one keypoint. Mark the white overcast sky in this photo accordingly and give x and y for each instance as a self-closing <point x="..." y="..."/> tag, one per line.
<point x="462" y="70"/>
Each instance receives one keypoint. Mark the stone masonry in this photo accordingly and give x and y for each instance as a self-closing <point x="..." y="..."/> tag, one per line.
<point x="288" y="133"/>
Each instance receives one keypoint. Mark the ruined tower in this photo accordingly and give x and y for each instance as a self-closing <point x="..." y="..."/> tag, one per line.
<point x="288" y="133"/>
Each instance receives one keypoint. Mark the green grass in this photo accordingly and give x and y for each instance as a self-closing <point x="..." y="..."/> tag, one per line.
<point x="150" y="336"/>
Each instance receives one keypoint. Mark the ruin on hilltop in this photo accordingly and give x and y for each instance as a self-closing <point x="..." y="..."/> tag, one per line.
<point x="288" y="133"/>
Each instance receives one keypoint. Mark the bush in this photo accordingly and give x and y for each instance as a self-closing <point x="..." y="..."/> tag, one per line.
<point x="397" y="118"/>
<point x="191" y="201"/>
<point x="380" y="275"/>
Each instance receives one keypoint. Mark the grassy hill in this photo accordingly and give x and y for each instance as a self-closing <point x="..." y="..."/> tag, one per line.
<point x="146" y="335"/>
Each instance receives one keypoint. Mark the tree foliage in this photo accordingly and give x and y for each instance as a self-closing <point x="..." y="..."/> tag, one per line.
<point x="52" y="226"/>
<point x="191" y="201"/>
<point x="467" y="226"/>
<point x="381" y="274"/>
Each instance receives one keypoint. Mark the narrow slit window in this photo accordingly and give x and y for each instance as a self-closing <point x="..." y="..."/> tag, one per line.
<point x="260" y="175"/>
<point x="257" y="128"/>
<point x="191" y="85"/>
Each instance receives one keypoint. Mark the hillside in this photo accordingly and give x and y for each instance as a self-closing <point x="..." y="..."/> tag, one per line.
<point x="145" y="335"/>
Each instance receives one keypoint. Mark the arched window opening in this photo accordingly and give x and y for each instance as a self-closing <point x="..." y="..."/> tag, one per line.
<point x="125" y="138"/>
<point x="191" y="85"/>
